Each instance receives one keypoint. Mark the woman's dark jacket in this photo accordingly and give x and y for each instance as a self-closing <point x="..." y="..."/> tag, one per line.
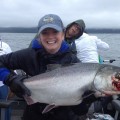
<point x="34" y="60"/>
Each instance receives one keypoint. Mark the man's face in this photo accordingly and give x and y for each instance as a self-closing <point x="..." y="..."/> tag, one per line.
<point x="51" y="40"/>
<point x="73" y="30"/>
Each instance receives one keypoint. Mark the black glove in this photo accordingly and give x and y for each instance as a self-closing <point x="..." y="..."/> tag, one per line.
<point x="15" y="82"/>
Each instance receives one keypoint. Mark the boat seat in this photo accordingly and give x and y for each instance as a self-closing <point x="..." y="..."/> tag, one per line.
<point x="4" y="104"/>
<point x="116" y="105"/>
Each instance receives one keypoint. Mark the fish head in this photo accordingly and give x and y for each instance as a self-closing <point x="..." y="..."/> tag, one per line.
<point x="116" y="81"/>
<point x="107" y="80"/>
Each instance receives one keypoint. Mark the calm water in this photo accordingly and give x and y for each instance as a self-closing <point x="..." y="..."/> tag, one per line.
<point x="19" y="41"/>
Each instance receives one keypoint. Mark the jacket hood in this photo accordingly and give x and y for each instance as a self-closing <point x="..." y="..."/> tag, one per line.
<point x="81" y="23"/>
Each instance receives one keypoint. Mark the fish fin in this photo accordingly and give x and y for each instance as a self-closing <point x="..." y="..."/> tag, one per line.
<point x="48" y="108"/>
<point x="28" y="99"/>
<point x="99" y="94"/>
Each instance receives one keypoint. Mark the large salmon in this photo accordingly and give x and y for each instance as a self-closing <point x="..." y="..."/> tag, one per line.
<point x="65" y="85"/>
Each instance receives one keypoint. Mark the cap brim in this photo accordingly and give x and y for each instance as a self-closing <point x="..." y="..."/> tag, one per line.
<point x="50" y="26"/>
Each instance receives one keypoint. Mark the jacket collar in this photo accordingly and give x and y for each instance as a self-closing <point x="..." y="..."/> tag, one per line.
<point x="37" y="45"/>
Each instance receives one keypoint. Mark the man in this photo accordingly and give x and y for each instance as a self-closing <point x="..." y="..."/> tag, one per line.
<point x="86" y="46"/>
<point x="74" y="31"/>
<point x="49" y="48"/>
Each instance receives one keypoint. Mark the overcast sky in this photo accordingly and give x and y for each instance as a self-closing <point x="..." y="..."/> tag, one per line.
<point x="26" y="13"/>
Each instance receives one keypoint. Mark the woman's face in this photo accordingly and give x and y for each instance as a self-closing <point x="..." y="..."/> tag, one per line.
<point x="73" y="30"/>
<point x="51" y="40"/>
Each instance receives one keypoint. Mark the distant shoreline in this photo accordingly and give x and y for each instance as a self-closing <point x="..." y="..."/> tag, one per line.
<point x="34" y="30"/>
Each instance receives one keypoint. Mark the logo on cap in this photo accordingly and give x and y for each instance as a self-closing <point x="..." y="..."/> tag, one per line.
<point x="48" y="19"/>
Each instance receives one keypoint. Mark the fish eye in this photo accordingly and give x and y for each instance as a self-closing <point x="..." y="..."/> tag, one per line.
<point x="117" y="75"/>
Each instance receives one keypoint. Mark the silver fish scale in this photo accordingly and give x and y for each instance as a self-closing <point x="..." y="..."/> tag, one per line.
<point x="65" y="85"/>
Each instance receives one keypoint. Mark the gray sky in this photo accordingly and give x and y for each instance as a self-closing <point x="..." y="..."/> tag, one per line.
<point x="26" y="13"/>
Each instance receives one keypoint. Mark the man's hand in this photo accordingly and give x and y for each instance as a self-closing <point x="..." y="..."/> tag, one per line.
<point x="15" y="82"/>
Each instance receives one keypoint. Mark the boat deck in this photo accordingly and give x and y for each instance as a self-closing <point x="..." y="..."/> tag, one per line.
<point x="19" y="106"/>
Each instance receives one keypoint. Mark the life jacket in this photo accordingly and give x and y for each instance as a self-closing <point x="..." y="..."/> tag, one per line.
<point x="36" y="45"/>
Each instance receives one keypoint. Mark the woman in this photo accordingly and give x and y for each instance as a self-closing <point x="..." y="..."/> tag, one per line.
<point x="49" y="48"/>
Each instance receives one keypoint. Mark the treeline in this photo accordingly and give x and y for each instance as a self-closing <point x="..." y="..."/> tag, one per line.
<point x="18" y="30"/>
<point x="34" y="30"/>
<point x="103" y="30"/>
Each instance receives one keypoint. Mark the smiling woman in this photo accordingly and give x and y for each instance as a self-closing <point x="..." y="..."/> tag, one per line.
<point x="51" y="40"/>
<point x="49" y="48"/>
<point x="51" y="33"/>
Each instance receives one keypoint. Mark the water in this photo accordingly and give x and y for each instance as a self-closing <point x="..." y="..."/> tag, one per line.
<point x="19" y="41"/>
<point x="114" y="42"/>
